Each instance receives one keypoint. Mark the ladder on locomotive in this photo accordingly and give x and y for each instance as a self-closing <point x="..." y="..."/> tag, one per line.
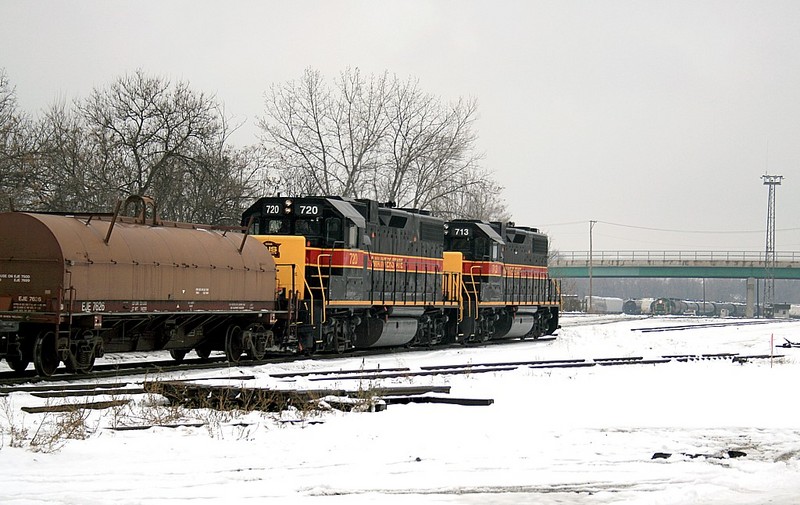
<point x="470" y="290"/>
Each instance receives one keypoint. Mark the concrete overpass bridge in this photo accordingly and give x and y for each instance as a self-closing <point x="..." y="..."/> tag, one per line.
<point x="673" y="264"/>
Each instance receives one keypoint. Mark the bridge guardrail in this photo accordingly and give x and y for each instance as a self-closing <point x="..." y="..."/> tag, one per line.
<point x="670" y="256"/>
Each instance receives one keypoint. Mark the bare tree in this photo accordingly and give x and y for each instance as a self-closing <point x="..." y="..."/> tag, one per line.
<point x="477" y="199"/>
<point x="147" y="136"/>
<point x="431" y="149"/>
<point x="146" y="128"/>
<point x="66" y="165"/>
<point x="371" y="137"/>
<point x="140" y="135"/>
<point x="17" y="146"/>
<point x="325" y="141"/>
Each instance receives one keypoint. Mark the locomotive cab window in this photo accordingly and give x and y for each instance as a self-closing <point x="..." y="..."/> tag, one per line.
<point x="352" y="232"/>
<point x="462" y="245"/>
<point x="308" y="228"/>
<point x="482" y="248"/>
<point x="494" y="255"/>
<point x="333" y="232"/>
<point x="277" y="227"/>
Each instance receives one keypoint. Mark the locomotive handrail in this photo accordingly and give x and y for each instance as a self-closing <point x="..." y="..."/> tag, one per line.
<point x="311" y="295"/>
<point x="472" y="280"/>
<point x="321" y="287"/>
<point x="463" y="289"/>
<point x="293" y="291"/>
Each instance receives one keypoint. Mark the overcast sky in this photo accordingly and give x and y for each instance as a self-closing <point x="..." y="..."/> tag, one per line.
<point x="637" y="114"/>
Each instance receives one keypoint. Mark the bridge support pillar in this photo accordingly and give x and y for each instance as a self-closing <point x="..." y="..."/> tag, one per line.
<point x="750" y="310"/>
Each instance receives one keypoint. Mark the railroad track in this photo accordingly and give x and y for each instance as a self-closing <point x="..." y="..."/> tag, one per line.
<point x="192" y="392"/>
<point x="476" y="368"/>
<point x="138" y="368"/>
<point x="696" y="326"/>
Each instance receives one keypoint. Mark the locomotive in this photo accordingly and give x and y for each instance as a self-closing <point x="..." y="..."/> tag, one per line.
<point x="354" y="273"/>
<point x="310" y="274"/>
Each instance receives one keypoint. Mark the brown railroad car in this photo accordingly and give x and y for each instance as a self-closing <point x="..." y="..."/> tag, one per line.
<point x="75" y="286"/>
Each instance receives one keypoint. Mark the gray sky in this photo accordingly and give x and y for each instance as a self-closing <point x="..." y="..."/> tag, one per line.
<point x="659" y="115"/>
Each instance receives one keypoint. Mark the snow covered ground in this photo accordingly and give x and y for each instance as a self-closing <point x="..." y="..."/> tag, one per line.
<point x="569" y="435"/>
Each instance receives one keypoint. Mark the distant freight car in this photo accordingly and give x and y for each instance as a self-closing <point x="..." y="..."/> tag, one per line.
<point x="604" y="305"/>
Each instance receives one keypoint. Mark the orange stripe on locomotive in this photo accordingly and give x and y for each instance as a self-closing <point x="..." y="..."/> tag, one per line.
<point x="295" y="264"/>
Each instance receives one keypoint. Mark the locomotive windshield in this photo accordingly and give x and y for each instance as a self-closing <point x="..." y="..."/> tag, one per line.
<point x="472" y="242"/>
<point x="328" y="223"/>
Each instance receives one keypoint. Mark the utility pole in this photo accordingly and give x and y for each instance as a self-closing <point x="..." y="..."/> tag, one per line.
<point x="769" y="257"/>
<point x="591" y="260"/>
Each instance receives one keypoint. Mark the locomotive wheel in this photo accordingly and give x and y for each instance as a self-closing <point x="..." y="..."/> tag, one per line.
<point x="17" y="364"/>
<point x="340" y="345"/>
<point x="45" y="358"/>
<point x="203" y="352"/>
<point x="234" y="346"/>
<point x="177" y="354"/>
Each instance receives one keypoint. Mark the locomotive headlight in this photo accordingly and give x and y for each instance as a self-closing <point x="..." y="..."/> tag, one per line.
<point x="287" y="206"/>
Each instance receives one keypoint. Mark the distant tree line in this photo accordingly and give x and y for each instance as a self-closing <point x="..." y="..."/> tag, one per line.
<point x="371" y="137"/>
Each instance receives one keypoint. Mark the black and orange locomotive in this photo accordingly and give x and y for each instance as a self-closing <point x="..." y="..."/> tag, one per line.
<point x="359" y="274"/>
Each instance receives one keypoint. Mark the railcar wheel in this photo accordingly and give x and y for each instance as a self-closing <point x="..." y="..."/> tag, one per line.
<point x="82" y="360"/>
<point x="88" y="366"/>
<point x="17" y="364"/>
<point x="203" y="352"/>
<point x="177" y="354"/>
<point x="45" y="357"/>
<point x="234" y="345"/>
<point x="74" y="366"/>
<point x="256" y="349"/>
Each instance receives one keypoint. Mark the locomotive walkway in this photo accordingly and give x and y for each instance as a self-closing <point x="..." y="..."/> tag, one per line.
<point x="686" y="264"/>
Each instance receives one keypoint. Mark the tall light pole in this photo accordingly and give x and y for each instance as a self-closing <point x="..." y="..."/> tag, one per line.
<point x="769" y="257"/>
<point x="591" y="260"/>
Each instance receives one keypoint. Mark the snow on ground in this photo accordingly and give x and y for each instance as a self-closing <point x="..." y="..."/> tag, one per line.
<point x="552" y="435"/>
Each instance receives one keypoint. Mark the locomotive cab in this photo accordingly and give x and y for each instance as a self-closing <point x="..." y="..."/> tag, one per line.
<point x="323" y="222"/>
<point x="475" y="239"/>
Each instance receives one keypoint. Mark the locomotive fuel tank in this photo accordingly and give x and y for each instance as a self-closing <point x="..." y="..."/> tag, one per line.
<point x="391" y="332"/>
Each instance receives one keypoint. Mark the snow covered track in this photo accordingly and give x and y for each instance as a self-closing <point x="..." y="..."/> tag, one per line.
<point x="118" y="365"/>
<point x="697" y="326"/>
<point x="567" y="436"/>
<point x="476" y="368"/>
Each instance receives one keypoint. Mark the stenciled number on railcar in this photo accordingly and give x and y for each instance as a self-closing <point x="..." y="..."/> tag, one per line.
<point x="93" y="306"/>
